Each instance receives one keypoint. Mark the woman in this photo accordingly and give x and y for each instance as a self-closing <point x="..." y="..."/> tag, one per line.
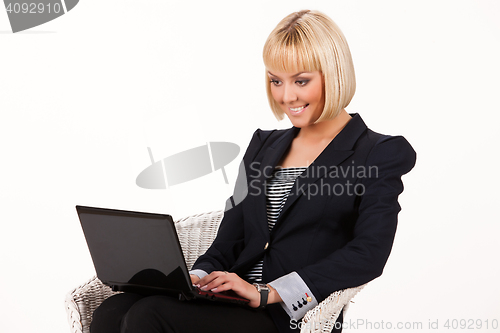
<point x="320" y="210"/>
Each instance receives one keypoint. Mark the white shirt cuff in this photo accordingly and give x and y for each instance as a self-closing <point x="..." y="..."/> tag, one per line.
<point x="199" y="273"/>
<point x="296" y="295"/>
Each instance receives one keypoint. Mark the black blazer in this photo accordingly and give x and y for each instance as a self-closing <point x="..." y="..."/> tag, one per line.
<point x="338" y="224"/>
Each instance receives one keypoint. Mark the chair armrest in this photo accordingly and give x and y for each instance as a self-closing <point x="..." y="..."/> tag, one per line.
<point x="81" y="302"/>
<point x="322" y="317"/>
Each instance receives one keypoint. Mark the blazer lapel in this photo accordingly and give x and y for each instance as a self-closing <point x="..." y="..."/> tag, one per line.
<point x="275" y="152"/>
<point x="272" y="156"/>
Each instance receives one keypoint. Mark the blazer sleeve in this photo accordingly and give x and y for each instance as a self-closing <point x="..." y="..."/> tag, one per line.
<point x="363" y="258"/>
<point x="229" y="242"/>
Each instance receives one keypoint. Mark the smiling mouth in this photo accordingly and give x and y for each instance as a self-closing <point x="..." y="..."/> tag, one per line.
<point x="298" y="110"/>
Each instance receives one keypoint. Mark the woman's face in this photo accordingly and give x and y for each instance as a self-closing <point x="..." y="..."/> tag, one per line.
<point x="300" y="95"/>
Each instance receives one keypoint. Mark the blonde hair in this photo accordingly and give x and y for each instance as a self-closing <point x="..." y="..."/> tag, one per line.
<point x="310" y="41"/>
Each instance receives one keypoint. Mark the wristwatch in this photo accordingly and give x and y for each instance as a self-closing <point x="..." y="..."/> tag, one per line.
<point x="263" y="289"/>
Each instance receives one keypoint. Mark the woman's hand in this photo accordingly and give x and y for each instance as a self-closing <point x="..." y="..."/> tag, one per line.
<point x="221" y="281"/>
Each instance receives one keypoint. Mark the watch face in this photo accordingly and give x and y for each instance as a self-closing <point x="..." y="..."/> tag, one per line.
<point x="263" y="287"/>
<point x="260" y="287"/>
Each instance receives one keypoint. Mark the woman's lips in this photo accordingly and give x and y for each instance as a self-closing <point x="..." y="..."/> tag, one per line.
<point x="297" y="110"/>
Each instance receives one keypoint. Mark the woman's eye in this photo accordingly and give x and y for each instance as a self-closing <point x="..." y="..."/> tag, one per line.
<point x="302" y="82"/>
<point x="276" y="82"/>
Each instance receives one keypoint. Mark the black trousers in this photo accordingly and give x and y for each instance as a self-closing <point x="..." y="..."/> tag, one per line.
<point x="132" y="313"/>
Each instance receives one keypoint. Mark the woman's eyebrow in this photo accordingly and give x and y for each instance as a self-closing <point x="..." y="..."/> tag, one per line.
<point x="295" y="75"/>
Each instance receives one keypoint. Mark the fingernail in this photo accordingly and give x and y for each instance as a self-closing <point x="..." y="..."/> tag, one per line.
<point x="203" y="288"/>
<point x="215" y="289"/>
<point x="197" y="285"/>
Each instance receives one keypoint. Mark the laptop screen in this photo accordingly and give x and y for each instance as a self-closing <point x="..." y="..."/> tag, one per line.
<point x="133" y="248"/>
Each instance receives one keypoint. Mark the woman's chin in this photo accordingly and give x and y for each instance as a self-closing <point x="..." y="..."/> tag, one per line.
<point x="300" y="122"/>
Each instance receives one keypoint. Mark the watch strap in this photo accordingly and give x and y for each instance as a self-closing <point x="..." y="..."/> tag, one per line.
<point x="264" y="294"/>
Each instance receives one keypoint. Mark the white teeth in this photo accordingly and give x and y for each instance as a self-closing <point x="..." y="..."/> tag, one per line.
<point x="298" y="109"/>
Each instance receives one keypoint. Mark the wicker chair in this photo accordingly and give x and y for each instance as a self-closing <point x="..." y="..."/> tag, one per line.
<point x="196" y="233"/>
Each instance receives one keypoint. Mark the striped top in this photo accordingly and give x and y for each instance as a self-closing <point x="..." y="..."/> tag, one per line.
<point x="277" y="191"/>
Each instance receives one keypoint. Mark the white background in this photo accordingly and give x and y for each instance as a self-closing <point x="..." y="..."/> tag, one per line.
<point x="83" y="96"/>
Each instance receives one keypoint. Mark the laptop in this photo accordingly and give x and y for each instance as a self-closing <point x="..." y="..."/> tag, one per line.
<point x="140" y="253"/>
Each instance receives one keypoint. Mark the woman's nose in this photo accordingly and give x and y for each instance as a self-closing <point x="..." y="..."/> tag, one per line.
<point x="289" y="94"/>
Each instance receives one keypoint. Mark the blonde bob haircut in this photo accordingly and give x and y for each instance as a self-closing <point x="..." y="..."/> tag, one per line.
<point x="310" y="41"/>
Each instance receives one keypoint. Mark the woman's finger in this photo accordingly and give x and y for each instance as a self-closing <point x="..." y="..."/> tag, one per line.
<point x="213" y="280"/>
<point x="194" y="278"/>
<point x="207" y="279"/>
